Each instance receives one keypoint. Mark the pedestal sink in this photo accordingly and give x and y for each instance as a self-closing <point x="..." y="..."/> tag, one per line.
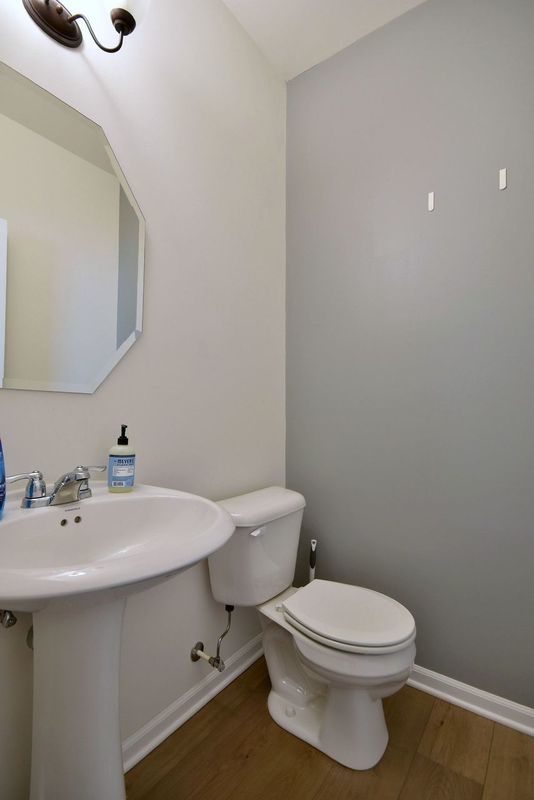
<point x="73" y="567"/>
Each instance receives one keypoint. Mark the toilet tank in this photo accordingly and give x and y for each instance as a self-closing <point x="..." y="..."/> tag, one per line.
<point x="258" y="561"/>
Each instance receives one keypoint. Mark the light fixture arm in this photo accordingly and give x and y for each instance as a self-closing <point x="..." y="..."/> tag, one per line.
<point x="74" y="17"/>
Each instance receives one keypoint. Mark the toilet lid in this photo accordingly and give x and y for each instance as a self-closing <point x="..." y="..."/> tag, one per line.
<point x="348" y="614"/>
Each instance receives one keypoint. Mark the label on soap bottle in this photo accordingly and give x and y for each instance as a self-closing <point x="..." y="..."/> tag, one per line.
<point x="121" y="472"/>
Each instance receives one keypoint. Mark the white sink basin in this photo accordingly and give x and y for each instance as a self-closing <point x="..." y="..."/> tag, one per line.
<point x="73" y="567"/>
<point x="120" y="540"/>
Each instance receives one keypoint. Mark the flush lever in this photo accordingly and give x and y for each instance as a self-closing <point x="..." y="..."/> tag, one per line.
<point x="258" y="531"/>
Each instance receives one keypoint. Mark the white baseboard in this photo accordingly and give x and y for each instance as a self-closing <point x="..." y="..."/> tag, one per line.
<point x="137" y="746"/>
<point x="514" y="715"/>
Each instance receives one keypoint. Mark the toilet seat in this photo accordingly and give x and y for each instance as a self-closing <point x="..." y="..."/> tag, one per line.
<point x="349" y="648"/>
<point x="349" y="618"/>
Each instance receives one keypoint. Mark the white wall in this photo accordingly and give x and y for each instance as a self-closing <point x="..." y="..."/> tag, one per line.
<point x="63" y="255"/>
<point x="197" y="120"/>
<point x="3" y="285"/>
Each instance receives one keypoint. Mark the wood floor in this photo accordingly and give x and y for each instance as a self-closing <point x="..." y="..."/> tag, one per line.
<point x="232" y="750"/>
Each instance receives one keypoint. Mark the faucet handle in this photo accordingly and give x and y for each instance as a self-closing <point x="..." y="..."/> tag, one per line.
<point x="83" y="474"/>
<point x="36" y="486"/>
<point x="25" y="476"/>
<point x="86" y="471"/>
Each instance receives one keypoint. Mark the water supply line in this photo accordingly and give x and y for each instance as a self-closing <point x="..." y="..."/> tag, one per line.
<point x="7" y="619"/>
<point x="215" y="661"/>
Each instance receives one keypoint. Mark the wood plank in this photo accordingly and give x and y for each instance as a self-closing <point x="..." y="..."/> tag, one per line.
<point x="221" y="717"/>
<point x="511" y="766"/>
<point x="383" y="782"/>
<point x="428" y="780"/>
<point x="205" y="771"/>
<point x="458" y="740"/>
<point x="407" y="713"/>
<point x="270" y="764"/>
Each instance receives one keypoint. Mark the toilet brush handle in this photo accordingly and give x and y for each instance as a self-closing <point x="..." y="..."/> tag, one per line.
<point x="313" y="558"/>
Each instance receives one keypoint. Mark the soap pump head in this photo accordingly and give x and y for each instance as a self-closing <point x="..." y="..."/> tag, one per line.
<point x="123" y="439"/>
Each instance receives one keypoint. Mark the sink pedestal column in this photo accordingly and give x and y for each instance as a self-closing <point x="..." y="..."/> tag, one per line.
<point x="76" y="746"/>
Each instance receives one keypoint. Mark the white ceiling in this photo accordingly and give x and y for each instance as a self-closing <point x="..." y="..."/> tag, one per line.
<point x="297" y="34"/>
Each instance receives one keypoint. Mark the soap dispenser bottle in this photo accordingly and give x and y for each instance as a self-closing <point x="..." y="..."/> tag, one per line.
<point x="121" y="468"/>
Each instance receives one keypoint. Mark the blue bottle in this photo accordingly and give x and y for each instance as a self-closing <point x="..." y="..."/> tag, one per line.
<point x="2" y="481"/>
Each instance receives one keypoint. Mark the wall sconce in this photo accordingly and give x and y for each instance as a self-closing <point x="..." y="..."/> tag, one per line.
<point x="56" y="21"/>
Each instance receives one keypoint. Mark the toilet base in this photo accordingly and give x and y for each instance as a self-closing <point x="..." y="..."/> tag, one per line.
<point x="330" y="699"/>
<point x="356" y="738"/>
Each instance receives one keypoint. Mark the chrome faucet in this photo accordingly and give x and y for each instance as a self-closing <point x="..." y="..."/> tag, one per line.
<point x="71" y="487"/>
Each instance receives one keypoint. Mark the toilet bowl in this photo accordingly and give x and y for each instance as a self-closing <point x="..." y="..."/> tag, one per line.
<point x="330" y="694"/>
<point x="333" y="650"/>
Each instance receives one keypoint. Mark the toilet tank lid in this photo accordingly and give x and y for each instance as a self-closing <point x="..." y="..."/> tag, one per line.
<point x="265" y="505"/>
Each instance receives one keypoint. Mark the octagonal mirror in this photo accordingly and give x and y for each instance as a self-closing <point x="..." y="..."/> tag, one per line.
<point x="71" y="246"/>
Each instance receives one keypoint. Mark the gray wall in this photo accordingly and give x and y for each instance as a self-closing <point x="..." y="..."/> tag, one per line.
<point x="411" y="334"/>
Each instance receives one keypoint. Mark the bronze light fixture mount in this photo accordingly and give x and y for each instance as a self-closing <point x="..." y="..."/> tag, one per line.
<point x="57" y="21"/>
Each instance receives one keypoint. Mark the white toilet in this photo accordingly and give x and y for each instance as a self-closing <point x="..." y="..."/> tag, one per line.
<point x="333" y="651"/>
